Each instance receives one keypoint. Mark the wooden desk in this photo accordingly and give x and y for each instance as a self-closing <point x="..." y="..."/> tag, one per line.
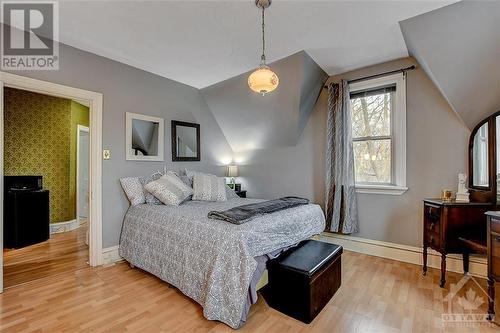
<point x="445" y="222"/>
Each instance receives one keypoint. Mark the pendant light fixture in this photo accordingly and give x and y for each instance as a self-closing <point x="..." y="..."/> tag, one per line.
<point x="263" y="79"/>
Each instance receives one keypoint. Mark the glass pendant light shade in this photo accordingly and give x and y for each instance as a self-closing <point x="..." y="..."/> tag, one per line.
<point x="263" y="80"/>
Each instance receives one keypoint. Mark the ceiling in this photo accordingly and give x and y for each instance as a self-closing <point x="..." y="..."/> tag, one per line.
<point x="461" y="56"/>
<point x="250" y="121"/>
<point x="201" y="43"/>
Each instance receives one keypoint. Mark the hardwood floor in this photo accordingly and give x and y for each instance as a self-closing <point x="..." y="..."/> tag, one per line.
<point x="62" y="253"/>
<point x="377" y="295"/>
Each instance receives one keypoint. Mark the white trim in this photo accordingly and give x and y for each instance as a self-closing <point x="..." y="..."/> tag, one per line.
<point x="110" y="255"/>
<point x="398" y="137"/>
<point x="79" y="128"/>
<point x="410" y="254"/>
<point x="128" y="137"/>
<point x="59" y="227"/>
<point x="381" y="189"/>
<point x="95" y="172"/>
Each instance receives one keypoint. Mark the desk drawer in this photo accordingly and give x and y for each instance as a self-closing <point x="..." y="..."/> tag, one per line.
<point x="434" y="240"/>
<point x="432" y="225"/>
<point x="432" y="212"/>
<point x="495" y="253"/>
<point x="495" y="225"/>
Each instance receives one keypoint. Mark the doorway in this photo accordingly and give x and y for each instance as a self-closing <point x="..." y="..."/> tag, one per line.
<point x="82" y="178"/>
<point x="94" y="100"/>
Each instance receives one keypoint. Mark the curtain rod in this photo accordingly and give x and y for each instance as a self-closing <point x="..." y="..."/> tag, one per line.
<point x="410" y="68"/>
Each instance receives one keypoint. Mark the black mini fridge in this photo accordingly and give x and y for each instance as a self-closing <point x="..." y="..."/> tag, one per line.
<point x="26" y="211"/>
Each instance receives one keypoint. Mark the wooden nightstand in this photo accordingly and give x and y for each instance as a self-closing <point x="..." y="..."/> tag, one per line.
<point x="241" y="194"/>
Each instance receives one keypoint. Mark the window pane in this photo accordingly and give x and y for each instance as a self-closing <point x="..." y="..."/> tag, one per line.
<point x="371" y="115"/>
<point x="372" y="161"/>
<point x="480" y="157"/>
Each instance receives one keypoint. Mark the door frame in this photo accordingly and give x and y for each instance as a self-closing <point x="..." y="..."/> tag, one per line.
<point x="95" y="172"/>
<point x="79" y="128"/>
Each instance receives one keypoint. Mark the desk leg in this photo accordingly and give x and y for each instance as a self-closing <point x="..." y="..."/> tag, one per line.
<point x="491" y="298"/>
<point x="443" y="270"/>
<point x="425" y="260"/>
<point x="466" y="262"/>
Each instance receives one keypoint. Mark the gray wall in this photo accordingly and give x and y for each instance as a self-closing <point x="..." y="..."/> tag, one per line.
<point x="127" y="89"/>
<point x="436" y="153"/>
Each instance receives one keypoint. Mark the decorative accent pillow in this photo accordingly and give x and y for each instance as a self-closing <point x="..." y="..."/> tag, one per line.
<point x="151" y="199"/>
<point x="230" y="193"/>
<point x="190" y="175"/>
<point x="169" y="189"/>
<point x="184" y="177"/>
<point x="133" y="189"/>
<point x="209" y="187"/>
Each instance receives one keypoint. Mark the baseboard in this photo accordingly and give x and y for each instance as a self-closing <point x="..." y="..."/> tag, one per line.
<point x="410" y="254"/>
<point x="110" y="255"/>
<point x="56" y="228"/>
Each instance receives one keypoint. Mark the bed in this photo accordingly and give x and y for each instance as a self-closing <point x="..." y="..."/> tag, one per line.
<point x="214" y="262"/>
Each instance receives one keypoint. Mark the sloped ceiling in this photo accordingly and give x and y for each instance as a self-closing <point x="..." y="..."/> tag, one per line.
<point x="459" y="48"/>
<point x="252" y="121"/>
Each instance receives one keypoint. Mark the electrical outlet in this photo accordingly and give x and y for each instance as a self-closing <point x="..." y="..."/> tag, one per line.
<point x="106" y="154"/>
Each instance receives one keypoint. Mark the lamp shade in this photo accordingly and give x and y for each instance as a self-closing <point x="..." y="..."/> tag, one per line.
<point x="263" y="80"/>
<point x="232" y="171"/>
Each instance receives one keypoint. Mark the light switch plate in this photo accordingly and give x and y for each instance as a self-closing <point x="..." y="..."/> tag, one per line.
<point x="106" y="154"/>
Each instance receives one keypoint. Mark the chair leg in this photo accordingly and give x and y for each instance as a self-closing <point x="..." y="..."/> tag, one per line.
<point x="466" y="262"/>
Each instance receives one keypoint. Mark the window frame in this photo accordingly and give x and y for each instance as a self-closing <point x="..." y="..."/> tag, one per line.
<point x="398" y="135"/>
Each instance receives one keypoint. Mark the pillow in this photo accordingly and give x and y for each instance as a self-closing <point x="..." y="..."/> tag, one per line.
<point x="190" y="175"/>
<point x="209" y="187"/>
<point x="133" y="189"/>
<point x="185" y="178"/>
<point x="150" y="199"/>
<point x="230" y="193"/>
<point x="169" y="189"/>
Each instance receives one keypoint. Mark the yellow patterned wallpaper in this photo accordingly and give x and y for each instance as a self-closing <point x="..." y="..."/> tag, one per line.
<point x="37" y="142"/>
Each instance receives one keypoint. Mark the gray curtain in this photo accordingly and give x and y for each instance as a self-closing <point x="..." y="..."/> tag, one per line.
<point x="341" y="201"/>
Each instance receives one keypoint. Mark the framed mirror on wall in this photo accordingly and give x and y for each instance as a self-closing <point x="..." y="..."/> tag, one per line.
<point x="185" y="141"/>
<point x="144" y="137"/>
<point x="484" y="160"/>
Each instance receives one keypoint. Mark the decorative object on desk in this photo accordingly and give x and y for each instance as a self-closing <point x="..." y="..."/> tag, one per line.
<point x="185" y="141"/>
<point x="144" y="137"/>
<point x="446" y="195"/>
<point x="232" y="172"/>
<point x="462" y="193"/>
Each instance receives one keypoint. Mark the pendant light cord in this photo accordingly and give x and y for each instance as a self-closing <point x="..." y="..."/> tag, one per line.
<point x="263" y="57"/>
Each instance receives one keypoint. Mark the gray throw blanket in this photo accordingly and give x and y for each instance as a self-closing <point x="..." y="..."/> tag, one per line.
<point x="241" y="214"/>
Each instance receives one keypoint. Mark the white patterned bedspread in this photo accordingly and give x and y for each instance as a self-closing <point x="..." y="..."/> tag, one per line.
<point x="209" y="260"/>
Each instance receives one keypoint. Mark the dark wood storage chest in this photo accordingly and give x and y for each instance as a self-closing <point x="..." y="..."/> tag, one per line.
<point x="303" y="279"/>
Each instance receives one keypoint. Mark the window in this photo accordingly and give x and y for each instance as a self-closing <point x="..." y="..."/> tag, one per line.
<point x="378" y="115"/>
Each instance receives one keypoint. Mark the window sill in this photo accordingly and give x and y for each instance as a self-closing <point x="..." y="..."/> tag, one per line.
<point x="381" y="189"/>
